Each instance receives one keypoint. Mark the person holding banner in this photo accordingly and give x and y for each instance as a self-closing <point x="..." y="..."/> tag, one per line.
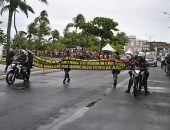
<point x="67" y="76"/>
<point x="67" y="70"/>
<point x="115" y="72"/>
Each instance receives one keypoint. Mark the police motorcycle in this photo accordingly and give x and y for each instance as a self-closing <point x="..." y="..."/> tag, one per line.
<point x="18" y="70"/>
<point x="139" y="77"/>
<point x="138" y="81"/>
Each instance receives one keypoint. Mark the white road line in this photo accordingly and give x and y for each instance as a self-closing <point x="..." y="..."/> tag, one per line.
<point x="56" y="124"/>
<point x="158" y="81"/>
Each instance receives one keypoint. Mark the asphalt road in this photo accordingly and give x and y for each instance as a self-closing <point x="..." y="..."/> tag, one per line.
<point x="88" y="102"/>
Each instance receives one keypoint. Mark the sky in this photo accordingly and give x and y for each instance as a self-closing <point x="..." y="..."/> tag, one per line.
<point x="143" y="18"/>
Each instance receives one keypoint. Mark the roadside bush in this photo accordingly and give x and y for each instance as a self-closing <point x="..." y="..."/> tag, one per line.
<point x="2" y="62"/>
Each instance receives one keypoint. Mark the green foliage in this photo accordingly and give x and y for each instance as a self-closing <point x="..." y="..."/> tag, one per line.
<point x="121" y="38"/>
<point x="2" y="37"/>
<point x="12" y="6"/>
<point x="118" y="48"/>
<point x="2" y="62"/>
<point x="100" y="27"/>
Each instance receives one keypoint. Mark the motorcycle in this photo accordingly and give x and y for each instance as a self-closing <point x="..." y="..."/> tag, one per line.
<point x="138" y="80"/>
<point x="17" y="71"/>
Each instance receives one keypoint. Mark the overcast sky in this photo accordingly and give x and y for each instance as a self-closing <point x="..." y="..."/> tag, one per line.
<point x="143" y="18"/>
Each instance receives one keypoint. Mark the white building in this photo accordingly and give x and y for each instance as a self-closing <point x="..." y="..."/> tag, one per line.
<point x="136" y="45"/>
<point x="1" y="48"/>
<point x="2" y="52"/>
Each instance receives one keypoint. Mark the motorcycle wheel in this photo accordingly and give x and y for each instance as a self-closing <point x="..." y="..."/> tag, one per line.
<point x="135" y="89"/>
<point x="10" y="77"/>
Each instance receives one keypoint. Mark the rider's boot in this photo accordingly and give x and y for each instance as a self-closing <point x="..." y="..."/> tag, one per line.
<point x="129" y="86"/>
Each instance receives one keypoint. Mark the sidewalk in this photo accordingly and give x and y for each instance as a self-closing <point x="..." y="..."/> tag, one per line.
<point x="34" y="70"/>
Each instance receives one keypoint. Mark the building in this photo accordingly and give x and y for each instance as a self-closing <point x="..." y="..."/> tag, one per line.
<point x="2" y="52"/>
<point x="1" y="48"/>
<point x="136" y="45"/>
<point x="160" y="47"/>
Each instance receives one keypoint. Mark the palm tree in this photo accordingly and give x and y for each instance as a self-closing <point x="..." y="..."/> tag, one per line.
<point x="55" y="35"/>
<point x="78" y="20"/>
<point x="66" y="30"/>
<point x="43" y="17"/>
<point x="11" y="7"/>
<point x="2" y="35"/>
<point x="42" y="26"/>
<point x="32" y="31"/>
<point x="20" y="40"/>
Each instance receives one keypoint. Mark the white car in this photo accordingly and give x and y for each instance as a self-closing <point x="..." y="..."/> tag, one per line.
<point x="151" y="59"/>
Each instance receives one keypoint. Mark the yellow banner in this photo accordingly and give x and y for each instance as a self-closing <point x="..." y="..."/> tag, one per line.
<point x="79" y="64"/>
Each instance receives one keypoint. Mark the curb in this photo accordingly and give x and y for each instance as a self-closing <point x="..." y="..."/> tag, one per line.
<point x="36" y="72"/>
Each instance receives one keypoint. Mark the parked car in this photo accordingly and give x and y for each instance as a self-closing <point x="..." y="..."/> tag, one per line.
<point x="151" y="59"/>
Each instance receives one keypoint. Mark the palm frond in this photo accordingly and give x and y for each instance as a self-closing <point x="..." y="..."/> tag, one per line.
<point x="2" y="2"/>
<point x="5" y="8"/>
<point x="44" y="1"/>
<point x="25" y="8"/>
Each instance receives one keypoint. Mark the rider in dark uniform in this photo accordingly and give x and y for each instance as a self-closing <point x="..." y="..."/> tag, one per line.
<point x="138" y="61"/>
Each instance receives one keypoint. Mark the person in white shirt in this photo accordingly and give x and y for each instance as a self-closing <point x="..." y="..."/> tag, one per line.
<point x="162" y="61"/>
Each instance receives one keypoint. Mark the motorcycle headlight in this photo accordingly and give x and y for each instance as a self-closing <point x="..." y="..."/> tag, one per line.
<point x="137" y="71"/>
<point x="13" y="65"/>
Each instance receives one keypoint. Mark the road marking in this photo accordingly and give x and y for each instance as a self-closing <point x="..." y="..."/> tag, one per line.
<point x="56" y="124"/>
<point x="158" y="89"/>
<point x="158" y="81"/>
<point x="121" y="84"/>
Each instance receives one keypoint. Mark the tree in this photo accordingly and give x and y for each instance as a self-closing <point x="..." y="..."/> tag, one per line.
<point x="66" y="30"/>
<point x="42" y="26"/>
<point x="122" y="38"/>
<point x="2" y="36"/>
<point x="78" y="20"/>
<point x="55" y="35"/>
<point x="20" y="40"/>
<point x="100" y="27"/>
<point x="11" y="7"/>
<point x="32" y="31"/>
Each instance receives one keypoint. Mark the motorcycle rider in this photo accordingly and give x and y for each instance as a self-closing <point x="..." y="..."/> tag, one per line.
<point x="23" y="59"/>
<point x="138" y="61"/>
